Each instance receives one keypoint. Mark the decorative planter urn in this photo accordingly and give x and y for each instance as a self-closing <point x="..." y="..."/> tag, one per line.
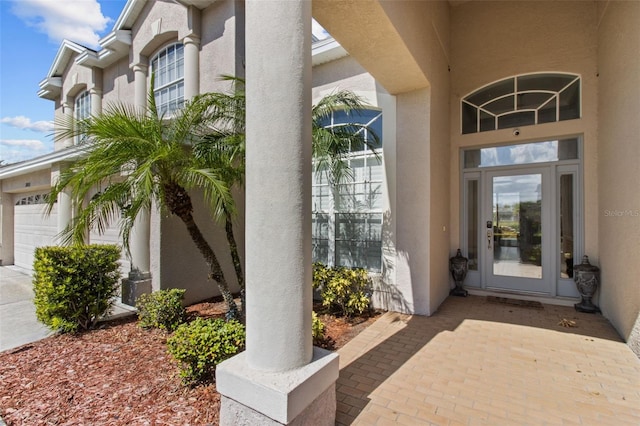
<point x="586" y="277"/>
<point x="458" y="265"/>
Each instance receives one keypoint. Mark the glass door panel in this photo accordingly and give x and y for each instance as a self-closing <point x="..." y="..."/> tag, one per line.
<point x="517" y="233"/>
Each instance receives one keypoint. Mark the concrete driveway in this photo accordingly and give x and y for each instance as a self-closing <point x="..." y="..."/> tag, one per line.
<point x="18" y="323"/>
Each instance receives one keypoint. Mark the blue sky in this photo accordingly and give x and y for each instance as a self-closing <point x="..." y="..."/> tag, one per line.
<point x="30" y="35"/>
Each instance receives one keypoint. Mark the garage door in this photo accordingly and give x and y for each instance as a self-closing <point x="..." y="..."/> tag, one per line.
<point x="32" y="228"/>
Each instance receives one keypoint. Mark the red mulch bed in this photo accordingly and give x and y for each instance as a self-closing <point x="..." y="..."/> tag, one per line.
<point x="118" y="374"/>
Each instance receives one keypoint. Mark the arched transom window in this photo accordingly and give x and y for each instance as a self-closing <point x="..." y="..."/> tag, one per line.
<point x="521" y="101"/>
<point x="168" y="68"/>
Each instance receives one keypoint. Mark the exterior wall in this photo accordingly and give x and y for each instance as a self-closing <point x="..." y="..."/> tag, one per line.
<point x="118" y="83"/>
<point x="618" y="155"/>
<point x="159" y="24"/>
<point x="7" y="209"/>
<point x="222" y="41"/>
<point x="495" y="40"/>
<point x="183" y="266"/>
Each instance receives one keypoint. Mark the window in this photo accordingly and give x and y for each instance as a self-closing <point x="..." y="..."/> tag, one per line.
<point x="347" y="216"/>
<point x="521" y="101"/>
<point x="82" y="111"/>
<point x="168" y="68"/>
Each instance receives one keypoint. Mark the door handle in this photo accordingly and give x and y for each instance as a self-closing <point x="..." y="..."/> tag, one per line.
<point x="489" y="237"/>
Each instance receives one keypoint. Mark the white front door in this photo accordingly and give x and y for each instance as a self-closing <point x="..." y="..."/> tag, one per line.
<point x="518" y="234"/>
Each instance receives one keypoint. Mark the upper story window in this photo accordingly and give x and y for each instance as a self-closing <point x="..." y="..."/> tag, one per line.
<point x="82" y="111"/>
<point x="521" y="101"/>
<point x="168" y="68"/>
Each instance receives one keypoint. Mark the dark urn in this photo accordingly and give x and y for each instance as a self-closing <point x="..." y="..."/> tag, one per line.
<point x="586" y="277"/>
<point x="458" y="265"/>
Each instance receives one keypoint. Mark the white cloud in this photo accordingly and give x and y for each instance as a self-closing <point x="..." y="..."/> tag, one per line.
<point x="22" y="122"/>
<point x="80" y="21"/>
<point x="15" y="150"/>
<point x="33" y="144"/>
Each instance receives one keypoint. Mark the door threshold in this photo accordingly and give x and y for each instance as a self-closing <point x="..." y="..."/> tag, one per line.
<point x="544" y="299"/>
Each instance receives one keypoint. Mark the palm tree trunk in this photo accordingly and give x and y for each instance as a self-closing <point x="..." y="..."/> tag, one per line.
<point x="179" y="202"/>
<point x="235" y="256"/>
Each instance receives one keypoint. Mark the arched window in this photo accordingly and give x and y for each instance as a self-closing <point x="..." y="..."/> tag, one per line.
<point x="82" y="111"/>
<point x="521" y="101"/>
<point x="347" y="216"/>
<point x="168" y="68"/>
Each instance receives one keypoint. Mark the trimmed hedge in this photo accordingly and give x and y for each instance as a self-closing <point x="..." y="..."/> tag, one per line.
<point x="75" y="286"/>
<point x="161" y="309"/>
<point x="202" y="344"/>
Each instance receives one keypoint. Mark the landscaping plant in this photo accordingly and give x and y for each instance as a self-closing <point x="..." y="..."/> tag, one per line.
<point x="317" y="329"/>
<point x="75" y="286"/>
<point x="343" y="290"/>
<point x="202" y="344"/>
<point x="161" y="309"/>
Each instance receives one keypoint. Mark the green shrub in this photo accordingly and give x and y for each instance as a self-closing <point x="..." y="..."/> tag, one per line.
<point x="75" y="286"/>
<point x="161" y="309"/>
<point x="343" y="290"/>
<point x="202" y="344"/>
<point x="317" y="329"/>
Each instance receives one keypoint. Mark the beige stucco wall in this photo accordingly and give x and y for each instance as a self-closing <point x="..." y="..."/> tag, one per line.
<point x="618" y="214"/>
<point x="118" y="83"/>
<point x="495" y="40"/>
<point x="222" y="51"/>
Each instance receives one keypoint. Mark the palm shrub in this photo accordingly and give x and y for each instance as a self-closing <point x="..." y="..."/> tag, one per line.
<point x="75" y="286"/>
<point x="161" y="309"/>
<point x="142" y="159"/>
<point x="344" y="291"/>
<point x="202" y="344"/>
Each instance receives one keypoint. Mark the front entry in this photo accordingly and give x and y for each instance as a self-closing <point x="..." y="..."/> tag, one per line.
<point x="518" y="236"/>
<point x="522" y="218"/>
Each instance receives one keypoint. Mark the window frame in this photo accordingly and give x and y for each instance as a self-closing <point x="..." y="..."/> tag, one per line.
<point x="161" y="86"/>
<point x="81" y="111"/>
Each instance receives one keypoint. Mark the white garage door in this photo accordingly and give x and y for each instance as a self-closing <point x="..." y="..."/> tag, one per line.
<point x="32" y="228"/>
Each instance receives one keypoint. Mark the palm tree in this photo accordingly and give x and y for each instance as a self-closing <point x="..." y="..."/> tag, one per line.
<point x="224" y="148"/>
<point x="141" y="158"/>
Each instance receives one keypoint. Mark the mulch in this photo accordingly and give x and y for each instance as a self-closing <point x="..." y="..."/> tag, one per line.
<point x="119" y="374"/>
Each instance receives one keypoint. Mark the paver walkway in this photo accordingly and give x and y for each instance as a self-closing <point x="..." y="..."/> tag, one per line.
<point x="477" y="362"/>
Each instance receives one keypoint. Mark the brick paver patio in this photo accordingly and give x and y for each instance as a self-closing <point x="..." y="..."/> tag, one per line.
<point x="479" y="362"/>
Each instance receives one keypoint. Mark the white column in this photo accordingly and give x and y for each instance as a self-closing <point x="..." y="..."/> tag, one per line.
<point x="191" y="66"/>
<point x="64" y="213"/>
<point x="139" y="247"/>
<point x="67" y="110"/>
<point x="96" y="101"/>
<point x="280" y="374"/>
<point x="139" y="280"/>
<point x="140" y="84"/>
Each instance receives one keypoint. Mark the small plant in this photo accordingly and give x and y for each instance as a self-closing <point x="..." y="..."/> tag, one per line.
<point x="202" y="344"/>
<point x="75" y="286"/>
<point x="161" y="309"/>
<point x="343" y="290"/>
<point x="317" y="329"/>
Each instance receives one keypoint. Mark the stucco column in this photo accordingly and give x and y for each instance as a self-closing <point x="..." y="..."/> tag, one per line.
<point x="140" y="84"/>
<point x="139" y="280"/>
<point x="280" y="378"/>
<point x="96" y="101"/>
<point x="64" y="213"/>
<point x="67" y="110"/>
<point x="191" y="66"/>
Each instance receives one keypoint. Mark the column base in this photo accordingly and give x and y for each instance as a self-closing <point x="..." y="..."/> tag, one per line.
<point x="301" y="396"/>
<point x="132" y="288"/>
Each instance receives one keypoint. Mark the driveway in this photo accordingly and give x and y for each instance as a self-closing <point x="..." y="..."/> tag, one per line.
<point x="18" y="323"/>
